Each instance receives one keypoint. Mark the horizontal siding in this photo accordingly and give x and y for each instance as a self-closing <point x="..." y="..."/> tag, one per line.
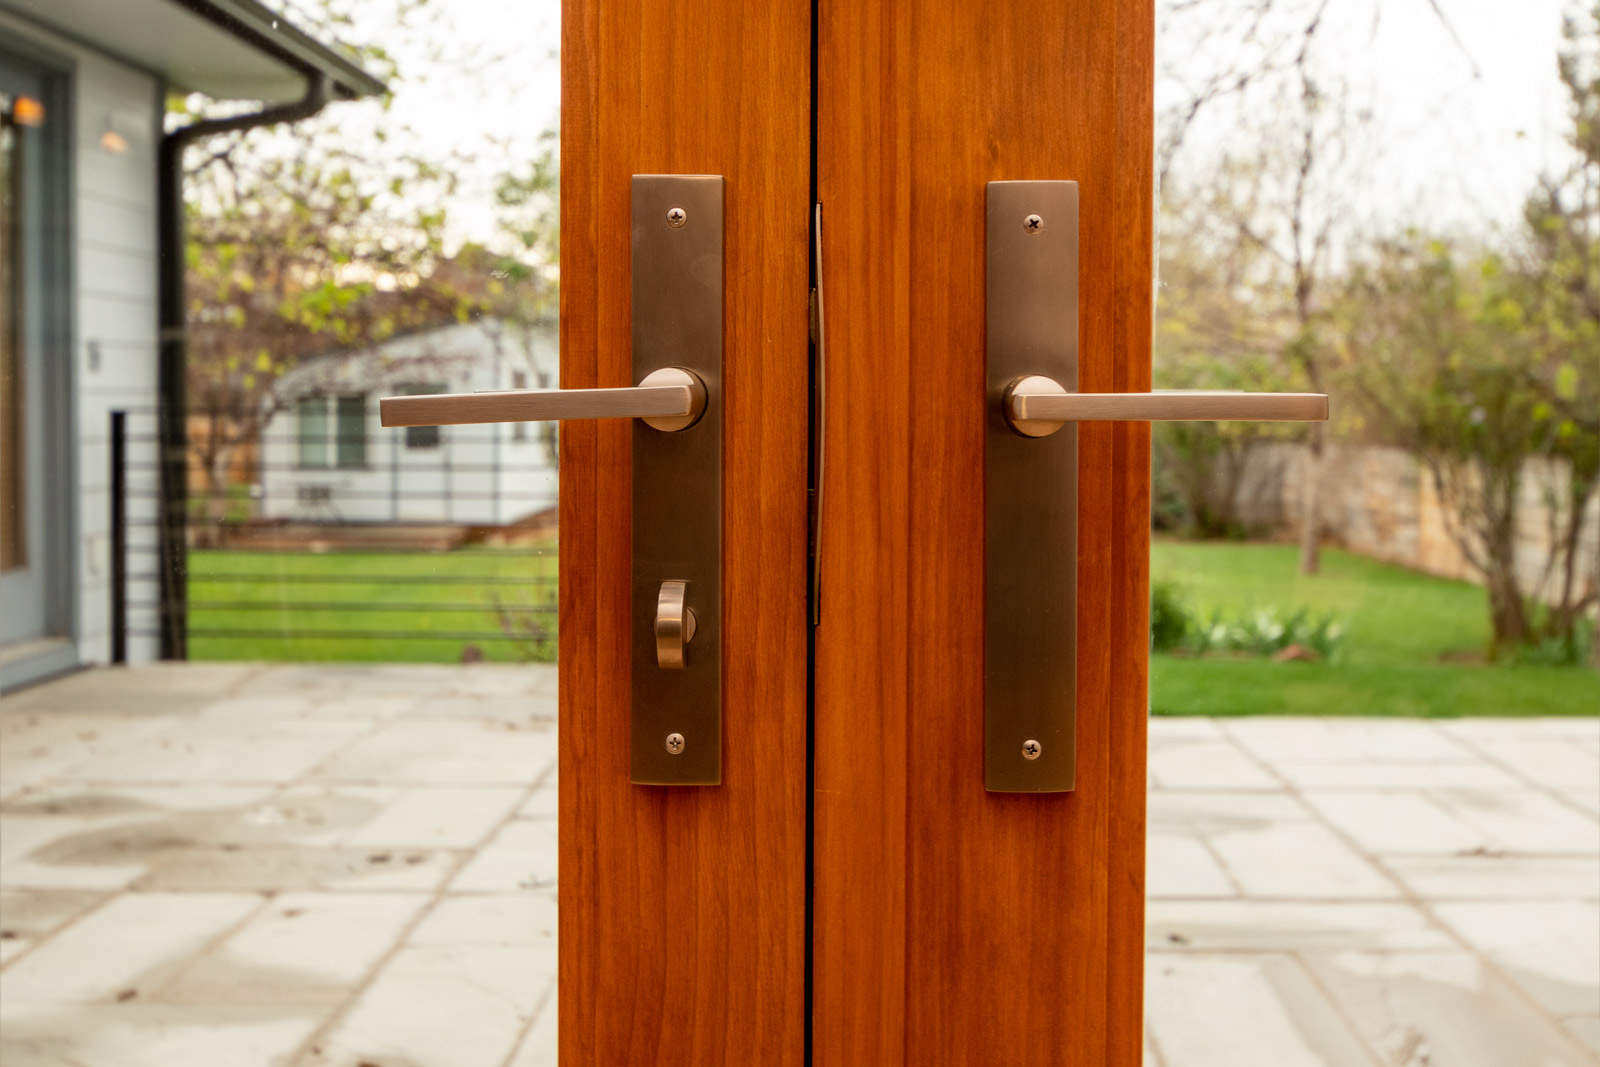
<point x="124" y="274"/>
<point x="115" y="259"/>
<point x="127" y="178"/>
<point x="126" y="371"/>
<point x="117" y="316"/>
<point x="116" y="320"/>
<point x="108" y="223"/>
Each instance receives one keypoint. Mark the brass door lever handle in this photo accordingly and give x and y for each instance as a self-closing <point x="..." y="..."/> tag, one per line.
<point x="1039" y="406"/>
<point x="669" y="399"/>
<point x="674" y="524"/>
<point x="1031" y="477"/>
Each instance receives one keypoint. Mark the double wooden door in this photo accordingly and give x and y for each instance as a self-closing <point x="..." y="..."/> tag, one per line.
<point x="850" y="894"/>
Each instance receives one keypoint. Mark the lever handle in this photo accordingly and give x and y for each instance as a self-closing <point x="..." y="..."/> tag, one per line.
<point x="668" y="399"/>
<point x="1037" y="406"/>
<point x="674" y="625"/>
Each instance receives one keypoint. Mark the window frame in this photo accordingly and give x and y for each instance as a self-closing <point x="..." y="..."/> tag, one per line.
<point x="329" y="449"/>
<point x="424" y="438"/>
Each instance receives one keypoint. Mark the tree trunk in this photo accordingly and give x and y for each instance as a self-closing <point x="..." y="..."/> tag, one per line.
<point x="1594" y="645"/>
<point x="1507" y="613"/>
<point x="1310" y="505"/>
<point x="217" y="494"/>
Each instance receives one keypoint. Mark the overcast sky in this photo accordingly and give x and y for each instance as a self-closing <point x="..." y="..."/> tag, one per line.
<point x="1459" y="130"/>
<point x="1466" y="111"/>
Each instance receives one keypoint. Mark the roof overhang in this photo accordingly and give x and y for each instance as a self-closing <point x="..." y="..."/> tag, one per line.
<point x="226" y="49"/>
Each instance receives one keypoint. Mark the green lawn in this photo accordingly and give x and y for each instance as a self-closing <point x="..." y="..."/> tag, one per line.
<point x="412" y="607"/>
<point x="1404" y="629"/>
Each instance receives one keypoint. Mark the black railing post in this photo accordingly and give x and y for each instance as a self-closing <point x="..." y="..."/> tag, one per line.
<point x="119" y="537"/>
<point x="172" y="432"/>
<point x="449" y="475"/>
<point x="172" y="427"/>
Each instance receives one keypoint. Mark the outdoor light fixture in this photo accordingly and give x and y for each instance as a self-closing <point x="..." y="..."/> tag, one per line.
<point x="26" y="111"/>
<point x="111" y="140"/>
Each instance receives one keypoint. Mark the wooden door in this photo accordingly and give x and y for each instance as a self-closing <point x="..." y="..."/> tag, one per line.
<point x="895" y="914"/>
<point x="682" y="910"/>
<point x="955" y="926"/>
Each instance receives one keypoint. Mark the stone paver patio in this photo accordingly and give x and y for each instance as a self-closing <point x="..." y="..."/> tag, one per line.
<point x="347" y="865"/>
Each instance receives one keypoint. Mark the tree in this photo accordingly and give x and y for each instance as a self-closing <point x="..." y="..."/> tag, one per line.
<point x="1213" y="53"/>
<point x="1479" y="361"/>
<point x="289" y="257"/>
<point x="1221" y="324"/>
<point x="1560" y="261"/>
<point x="1440" y="344"/>
<point x="321" y="240"/>
<point x="1433" y="348"/>
<point x="1294" y="170"/>
<point x="1306" y="155"/>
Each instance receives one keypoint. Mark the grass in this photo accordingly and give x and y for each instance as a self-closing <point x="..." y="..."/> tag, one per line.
<point x="1407" y="633"/>
<point x="1408" y="651"/>
<point x="416" y="607"/>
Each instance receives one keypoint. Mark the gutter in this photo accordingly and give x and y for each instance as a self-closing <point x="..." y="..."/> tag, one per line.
<point x="271" y="33"/>
<point x="172" y="300"/>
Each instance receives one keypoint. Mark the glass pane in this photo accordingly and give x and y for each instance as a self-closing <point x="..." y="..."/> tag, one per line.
<point x="519" y="430"/>
<point x="311" y="423"/>
<point x="351" y="429"/>
<point x="192" y="411"/>
<point x="423" y="436"/>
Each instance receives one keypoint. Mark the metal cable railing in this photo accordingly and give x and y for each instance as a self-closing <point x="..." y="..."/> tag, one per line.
<point x="300" y="546"/>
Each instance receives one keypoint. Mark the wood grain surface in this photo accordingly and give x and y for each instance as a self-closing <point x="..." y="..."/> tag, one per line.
<point x="682" y="911"/>
<point x="954" y="926"/>
<point x="863" y="641"/>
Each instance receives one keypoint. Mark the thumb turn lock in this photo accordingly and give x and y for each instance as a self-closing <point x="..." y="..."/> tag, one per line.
<point x="675" y="504"/>
<point x="674" y="625"/>
<point x="1030" y="473"/>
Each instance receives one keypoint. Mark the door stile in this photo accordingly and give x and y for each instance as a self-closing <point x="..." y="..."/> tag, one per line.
<point x="578" y="589"/>
<point x="682" y="909"/>
<point x="1133" y="333"/>
<point x="862" y="660"/>
<point x="1019" y="917"/>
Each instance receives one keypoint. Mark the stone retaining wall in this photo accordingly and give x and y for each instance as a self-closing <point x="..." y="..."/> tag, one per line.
<point x="1381" y="502"/>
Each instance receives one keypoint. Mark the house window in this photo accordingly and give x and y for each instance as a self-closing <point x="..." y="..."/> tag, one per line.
<point x="350" y="431"/>
<point x="422" y="436"/>
<point x="348" y="427"/>
<point x="311" y="431"/>
<point x="519" y="430"/>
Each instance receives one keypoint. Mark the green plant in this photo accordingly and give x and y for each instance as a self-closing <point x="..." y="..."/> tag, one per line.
<point x="1264" y="633"/>
<point x="1572" y="647"/>
<point x="524" y="624"/>
<point x="1170" y="618"/>
<point x="1413" y="643"/>
<point x="1175" y="627"/>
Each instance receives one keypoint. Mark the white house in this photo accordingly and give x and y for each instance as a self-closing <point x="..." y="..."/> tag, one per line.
<point x="325" y="458"/>
<point x="90" y="275"/>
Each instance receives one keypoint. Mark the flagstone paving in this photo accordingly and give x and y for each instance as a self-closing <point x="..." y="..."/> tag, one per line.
<point x="356" y="865"/>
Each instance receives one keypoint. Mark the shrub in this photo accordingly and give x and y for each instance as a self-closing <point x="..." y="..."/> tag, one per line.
<point x="1174" y="627"/>
<point x="1573" y="648"/>
<point x="1169" y="616"/>
<point x="1264" y="633"/>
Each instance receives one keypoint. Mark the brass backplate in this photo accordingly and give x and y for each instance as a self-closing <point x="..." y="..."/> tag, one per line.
<point x="1030" y="494"/>
<point x="677" y="477"/>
